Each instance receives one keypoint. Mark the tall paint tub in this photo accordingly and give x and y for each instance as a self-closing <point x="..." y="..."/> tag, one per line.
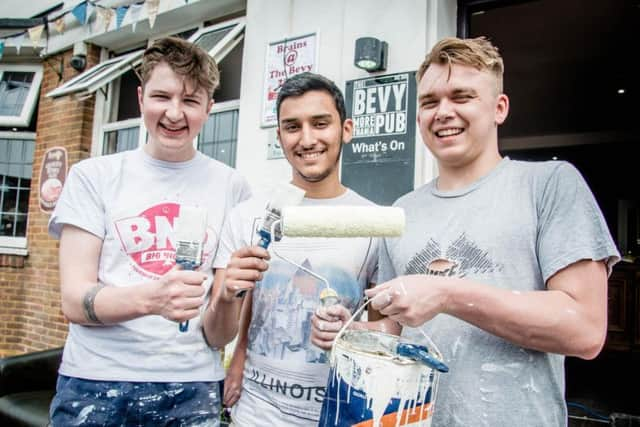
<point x="369" y="385"/>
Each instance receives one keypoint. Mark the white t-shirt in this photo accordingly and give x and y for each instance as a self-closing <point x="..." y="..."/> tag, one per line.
<point x="130" y="201"/>
<point x="285" y="375"/>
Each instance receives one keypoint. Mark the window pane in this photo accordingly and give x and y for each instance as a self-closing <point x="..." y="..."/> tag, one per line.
<point x="219" y="137"/>
<point x="7" y="225"/>
<point x="208" y="40"/>
<point x="16" y="162"/>
<point x="14" y="88"/>
<point x="120" y="140"/>
<point x="9" y="201"/>
<point x="128" y="107"/>
<point x="230" y="74"/>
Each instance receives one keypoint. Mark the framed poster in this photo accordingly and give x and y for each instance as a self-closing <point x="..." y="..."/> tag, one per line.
<point x="285" y="58"/>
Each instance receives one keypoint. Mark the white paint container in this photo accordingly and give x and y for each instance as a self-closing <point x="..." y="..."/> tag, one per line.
<point x="370" y="384"/>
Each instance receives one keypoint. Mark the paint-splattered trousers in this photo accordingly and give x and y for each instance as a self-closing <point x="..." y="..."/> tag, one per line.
<point x="87" y="403"/>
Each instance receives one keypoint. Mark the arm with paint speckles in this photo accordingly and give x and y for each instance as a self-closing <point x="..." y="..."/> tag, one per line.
<point x="177" y="296"/>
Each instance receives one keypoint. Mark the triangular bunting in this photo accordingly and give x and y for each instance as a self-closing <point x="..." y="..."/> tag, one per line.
<point x="120" y="14"/>
<point x="152" y="10"/>
<point x="19" y="40"/>
<point x="60" y="24"/>
<point x="35" y="33"/>
<point x="80" y="12"/>
<point x="135" y="15"/>
<point x="106" y="16"/>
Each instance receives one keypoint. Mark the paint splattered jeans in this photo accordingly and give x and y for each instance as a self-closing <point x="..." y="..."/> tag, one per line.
<point x="88" y="403"/>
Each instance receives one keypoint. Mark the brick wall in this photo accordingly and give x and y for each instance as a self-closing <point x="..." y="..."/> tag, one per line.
<point x="30" y="315"/>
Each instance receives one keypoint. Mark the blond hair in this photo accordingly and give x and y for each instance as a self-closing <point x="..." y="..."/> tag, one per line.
<point x="478" y="53"/>
<point x="185" y="59"/>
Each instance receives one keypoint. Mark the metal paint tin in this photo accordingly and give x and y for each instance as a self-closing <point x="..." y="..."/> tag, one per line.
<point x="369" y="385"/>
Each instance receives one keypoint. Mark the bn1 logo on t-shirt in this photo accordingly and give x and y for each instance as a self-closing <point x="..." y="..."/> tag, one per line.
<point x="148" y="239"/>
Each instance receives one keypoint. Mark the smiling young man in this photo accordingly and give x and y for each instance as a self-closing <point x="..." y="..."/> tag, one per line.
<point x="503" y="263"/>
<point x="125" y="362"/>
<point x="277" y="376"/>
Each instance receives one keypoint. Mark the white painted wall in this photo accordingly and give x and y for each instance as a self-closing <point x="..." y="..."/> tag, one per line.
<point x="410" y="27"/>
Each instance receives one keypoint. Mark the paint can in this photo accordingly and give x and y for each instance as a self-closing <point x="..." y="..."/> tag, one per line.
<point x="370" y="385"/>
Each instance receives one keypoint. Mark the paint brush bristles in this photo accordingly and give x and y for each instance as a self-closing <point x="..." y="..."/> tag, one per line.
<point x="189" y="232"/>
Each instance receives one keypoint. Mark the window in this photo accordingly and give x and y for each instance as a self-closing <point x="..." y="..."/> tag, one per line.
<point x="16" y="161"/>
<point x="19" y="88"/>
<point x="220" y="39"/>
<point x="219" y="135"/>
<point x="99" y="75"/>
<point x="121" y="136"/>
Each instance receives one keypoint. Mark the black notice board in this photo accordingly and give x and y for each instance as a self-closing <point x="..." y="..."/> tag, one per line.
<point x="379" y="162"/>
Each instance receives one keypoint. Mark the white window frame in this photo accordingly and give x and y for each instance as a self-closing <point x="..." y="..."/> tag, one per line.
<point x="99" y="75"/>
<point x="15" y="245"/>
<point x="32" y="97"/>
<point x="228" y="42"/>
<point x="124" y="124"/>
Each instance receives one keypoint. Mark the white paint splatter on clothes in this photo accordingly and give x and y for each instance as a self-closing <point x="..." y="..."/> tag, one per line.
<point x="82" y="416"/>
<point x="113" y="393"/>
<point x="531" y="386"/>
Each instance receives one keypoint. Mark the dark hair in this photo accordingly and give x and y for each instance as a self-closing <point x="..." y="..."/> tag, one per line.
<point x="302" y="83"/>
<point x="185" y="59"/>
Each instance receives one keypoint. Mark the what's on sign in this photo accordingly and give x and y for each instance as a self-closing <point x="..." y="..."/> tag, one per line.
<point x="379" y="161"/>
<point x="380" y="108"/>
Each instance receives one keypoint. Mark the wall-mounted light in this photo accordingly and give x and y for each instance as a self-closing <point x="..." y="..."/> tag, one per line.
<point x="371" y="54"/>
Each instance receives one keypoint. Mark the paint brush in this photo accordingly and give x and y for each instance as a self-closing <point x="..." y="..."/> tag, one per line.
<point x="286" y="195"/>
<point x="189" y="230"/>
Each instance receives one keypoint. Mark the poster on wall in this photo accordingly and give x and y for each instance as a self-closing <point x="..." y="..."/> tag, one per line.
<point x="379" y="162"/>
<point x="285" y="58"/>
<point x="52" y="176"/>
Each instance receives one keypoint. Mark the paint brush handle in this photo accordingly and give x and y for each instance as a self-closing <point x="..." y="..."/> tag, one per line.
<point x="265" y="240"/>
<point x="186" y="265"/>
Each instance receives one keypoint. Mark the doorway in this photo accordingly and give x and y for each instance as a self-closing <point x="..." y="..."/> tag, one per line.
<point x="572" y="87"/>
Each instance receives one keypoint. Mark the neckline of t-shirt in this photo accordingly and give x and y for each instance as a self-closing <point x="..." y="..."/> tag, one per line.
<point x="471" y="187"/>
<point x="329" y="201"/>
<point x="166" y="164"/>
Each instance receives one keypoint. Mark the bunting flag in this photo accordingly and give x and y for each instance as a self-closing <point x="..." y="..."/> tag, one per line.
<point x="135" y="15"/>
<point x="1" y="49"/>
<point x="35" y="33"/>
<point x="18" y="42"/>
<point x="60" y="25"/>
<point x="105" y="16"/>
<point x="152" y="11"/>
<point x="120" y="14"/>
<point x="80" y="12"/>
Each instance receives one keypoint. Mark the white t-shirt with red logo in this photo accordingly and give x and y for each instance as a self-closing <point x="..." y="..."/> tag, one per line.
<point x="130" y="201"/>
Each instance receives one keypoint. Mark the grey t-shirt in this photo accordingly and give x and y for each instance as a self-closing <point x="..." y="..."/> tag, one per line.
<point x="512" y="229"/>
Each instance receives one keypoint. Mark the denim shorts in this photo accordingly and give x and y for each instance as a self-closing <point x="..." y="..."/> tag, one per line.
<point x="87" y="403"/>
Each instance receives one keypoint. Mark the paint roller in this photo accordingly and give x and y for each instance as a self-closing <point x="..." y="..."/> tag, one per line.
<point x="339" y="221"/>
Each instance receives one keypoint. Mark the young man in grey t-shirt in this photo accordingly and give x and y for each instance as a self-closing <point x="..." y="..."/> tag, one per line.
<point x="503" y="263"/>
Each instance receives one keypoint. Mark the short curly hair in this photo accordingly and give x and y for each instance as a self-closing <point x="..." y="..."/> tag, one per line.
<point x="185" y="59"/>
<point x="478" y="53"/>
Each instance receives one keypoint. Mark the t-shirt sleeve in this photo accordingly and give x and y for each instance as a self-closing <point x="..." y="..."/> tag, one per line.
<point x="386" y="270"/>
<point x="79" y="205"/>
<point x="571" y="226"/>
<point x="240" y="189"/>
<point x="230" y="239"/>
<point x="372" y="261"/>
